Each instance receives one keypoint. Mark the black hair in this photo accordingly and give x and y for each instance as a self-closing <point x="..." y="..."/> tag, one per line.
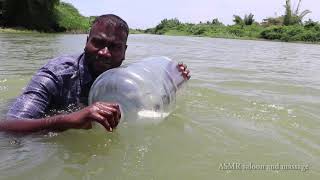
<point x="113" y="20"/>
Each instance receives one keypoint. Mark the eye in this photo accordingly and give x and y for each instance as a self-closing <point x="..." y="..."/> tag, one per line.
<point x="98" y="43"/>
<point x="115" y="47"/>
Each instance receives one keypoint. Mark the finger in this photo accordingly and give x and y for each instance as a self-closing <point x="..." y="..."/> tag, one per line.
<point x="187" y="72"/>
<point x="104" y="104"/>
<point x="188" y="77"/>
<point x="184" y="75"/>
<point x="115" y="106"/>
<point x="106" y="125"/>
<point x="180" y="67"/>
<point x="185" y="66"/>
<point x="109" y="104"/>
<point x="101" y="116"/>
<point x="96" y="116"/>
<point x="111" y="113"/>
<point x="101" y="120"/>
<point x="117" y="119"/>
<point x="110" y="117"/>
<point x="108" y="107"/>
<point x="116" y="113"/>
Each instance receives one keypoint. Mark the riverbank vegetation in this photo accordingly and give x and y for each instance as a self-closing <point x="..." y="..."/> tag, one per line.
<point x="56" y="16"/>
<point x="17" y="30"/>
<point x="29" y="16"/>
<point x="288" y="27"/>
<point x="43" y="16"/>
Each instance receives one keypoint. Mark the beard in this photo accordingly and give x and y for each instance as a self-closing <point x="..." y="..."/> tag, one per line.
<point x="98" y="65"/>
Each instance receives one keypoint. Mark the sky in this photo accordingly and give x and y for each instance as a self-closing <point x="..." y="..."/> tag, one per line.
<point x="147" y="13"/>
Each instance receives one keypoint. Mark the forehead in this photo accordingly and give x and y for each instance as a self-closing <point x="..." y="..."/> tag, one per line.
<point x="108" y="30"/>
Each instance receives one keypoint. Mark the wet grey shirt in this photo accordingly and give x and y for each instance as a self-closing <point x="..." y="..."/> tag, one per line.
<point x="62" y="83"/>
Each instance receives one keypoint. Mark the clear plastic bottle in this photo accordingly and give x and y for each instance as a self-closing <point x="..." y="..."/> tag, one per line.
<point x="146" y="90"/>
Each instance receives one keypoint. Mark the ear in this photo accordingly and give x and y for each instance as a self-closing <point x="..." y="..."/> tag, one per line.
<point x="85" y="47"/>
<point x="124" y="53"/>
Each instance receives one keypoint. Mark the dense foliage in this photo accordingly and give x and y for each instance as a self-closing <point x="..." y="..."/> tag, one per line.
<point x="211" y="29"/>
<point x="69" y="19"/>
<point x="44" y="15"/>
<point x="31" y="14"/>
<point x="288" y="27"/>
<point x="293" y="16"/>
<point x="56" y="16"/>
<point x="309" y="31"/>
<point x="247" y="20"/>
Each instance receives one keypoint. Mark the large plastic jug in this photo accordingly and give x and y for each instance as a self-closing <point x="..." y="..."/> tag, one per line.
<point x="145" y="90"/>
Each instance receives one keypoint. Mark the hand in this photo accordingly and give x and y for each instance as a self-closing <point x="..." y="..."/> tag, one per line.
<point x="184" y="71"/>
<point x="107" y="114"/>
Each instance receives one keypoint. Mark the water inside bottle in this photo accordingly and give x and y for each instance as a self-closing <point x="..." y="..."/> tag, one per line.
<point x="146" y="90"/>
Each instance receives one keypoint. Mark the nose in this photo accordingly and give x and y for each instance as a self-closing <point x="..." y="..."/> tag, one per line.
<point x="104" y="52"/>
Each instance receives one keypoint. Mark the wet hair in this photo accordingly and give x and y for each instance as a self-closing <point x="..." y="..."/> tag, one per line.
<point x="113" y="20"/>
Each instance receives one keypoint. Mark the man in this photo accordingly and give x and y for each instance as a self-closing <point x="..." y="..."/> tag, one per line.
<point x="64" y="83"/>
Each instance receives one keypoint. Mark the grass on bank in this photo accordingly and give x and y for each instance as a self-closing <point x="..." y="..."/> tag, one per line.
<point x="136" y="31"/>
<point x="70" y="20"/>
<point x="307" y="32"/>
<point x="17" y="30"/>
<point x="67" y="19"/>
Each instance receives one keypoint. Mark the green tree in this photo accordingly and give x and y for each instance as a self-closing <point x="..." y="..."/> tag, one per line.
<point x="69" y="19"/>
<point x="288" y="13"/>
<point x="310" y="23"/>
<point x="216" y="22"/>
<point x="31" y="14"/>
<point x="237" y="20"/>
<point x="272" y="21"/>
<point x="248" y="19"/>
<point x="291" y="16"/>
<point x="166" y="24"/>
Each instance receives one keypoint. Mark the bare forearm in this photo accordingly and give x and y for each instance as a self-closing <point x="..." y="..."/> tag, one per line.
<point x="31" y="125"/>
<point x="104" y="113"/>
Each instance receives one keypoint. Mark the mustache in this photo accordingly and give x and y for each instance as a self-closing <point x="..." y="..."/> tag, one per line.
<point x="103" y="60"/>
<point x="97" y="58"/>
<point x="92" y="58"/>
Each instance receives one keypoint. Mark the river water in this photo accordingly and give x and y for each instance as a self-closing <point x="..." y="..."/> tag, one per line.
<point x="250" y="111"/>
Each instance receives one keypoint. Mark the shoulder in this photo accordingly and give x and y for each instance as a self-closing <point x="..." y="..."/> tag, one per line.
<point x="62" y="65"/>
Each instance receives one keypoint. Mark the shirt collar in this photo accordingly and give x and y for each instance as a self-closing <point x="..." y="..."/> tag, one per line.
<point x="85" y="76"/>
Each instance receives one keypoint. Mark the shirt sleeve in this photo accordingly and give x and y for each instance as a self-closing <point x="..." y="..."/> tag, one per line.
<point x="37" y="96"/>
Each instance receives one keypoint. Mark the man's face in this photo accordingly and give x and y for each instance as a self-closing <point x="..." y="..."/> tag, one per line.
<point x="105" y="48"/>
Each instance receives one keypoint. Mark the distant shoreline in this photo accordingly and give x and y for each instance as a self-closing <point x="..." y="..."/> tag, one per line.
<point x="238" y="38"/>
<point x="26" y="31"/>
